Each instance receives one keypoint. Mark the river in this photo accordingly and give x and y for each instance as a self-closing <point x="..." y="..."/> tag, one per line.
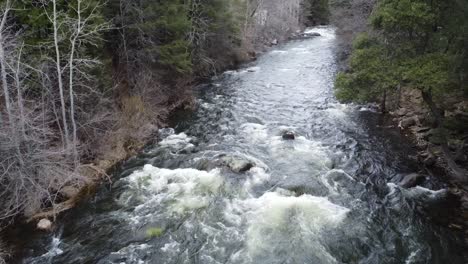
<point x="223" y="186"/>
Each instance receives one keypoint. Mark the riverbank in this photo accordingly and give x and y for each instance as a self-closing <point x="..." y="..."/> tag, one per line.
<point x="411" y="115"/>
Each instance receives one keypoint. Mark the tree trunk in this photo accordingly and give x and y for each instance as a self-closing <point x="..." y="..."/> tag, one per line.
<point x="6" y="92"/>
<point x="459" y="174"/>
<point x="70" y="79"/>
<point x="384" y="102"/>
<point x="20" y="92"/>
<point x="59" y="73"/>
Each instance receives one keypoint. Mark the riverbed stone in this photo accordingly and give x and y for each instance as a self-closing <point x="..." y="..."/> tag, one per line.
<point x="44" y="225"/>
<point x="289" y="135"/>
<point x="69" y="191"/>
<point x="430" y="161"/>
<point x="422" y="129"/>
<point x="401" y="111"/>
<point x="312" y="34"/>
<point x="412" y="180"/>
<point x="407" y="122"/>
<point x="237" y="164"/>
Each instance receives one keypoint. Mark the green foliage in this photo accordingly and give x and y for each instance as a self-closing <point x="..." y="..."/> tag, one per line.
<point x="403" y="16"/>
<point x="429" y="72"/>
<point x="161" y="33"/>
<point x="175" y="37"/>
<point x="373" y="72"/>
<point x="416" y="43"/>
<point x="176" y="55"/>
<point x="218" y="27"/>
<point x="318" y="11"/>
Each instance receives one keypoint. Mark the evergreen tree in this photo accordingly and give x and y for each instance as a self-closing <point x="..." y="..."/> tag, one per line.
<point x="414" y="43"/>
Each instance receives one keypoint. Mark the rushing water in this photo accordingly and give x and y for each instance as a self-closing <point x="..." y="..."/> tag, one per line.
<point x="327" y="197"/>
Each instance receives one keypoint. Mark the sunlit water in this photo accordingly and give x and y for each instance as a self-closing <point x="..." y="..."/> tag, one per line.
<point x="327" y="197"/>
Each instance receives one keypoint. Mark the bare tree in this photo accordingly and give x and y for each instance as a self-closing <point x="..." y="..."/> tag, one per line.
<point x="3" y="63"/>
<point x="82" y="32"/>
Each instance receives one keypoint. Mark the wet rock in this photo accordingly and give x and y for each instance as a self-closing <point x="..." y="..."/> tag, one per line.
<point x="422" y="129"/>
<point x="430" y="161"/>
<point x="311" y="34"/>
<point x="401" y="112"/>
<point x="407" y="122"/>
<point x="252" y="55"/>
<point x="305" y="35"/>
<point x="69" y="191"/>
<point x="289" y="135"/>
<point x="237" y="164"/>
<point x="44" y="225"/>
<point x="412" y="180"/>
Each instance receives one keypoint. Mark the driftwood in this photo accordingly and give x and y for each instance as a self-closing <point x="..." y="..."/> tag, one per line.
<point x="85" y="191"/>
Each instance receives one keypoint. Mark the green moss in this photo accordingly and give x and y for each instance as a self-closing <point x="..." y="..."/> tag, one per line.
<point x="154" y="232"/>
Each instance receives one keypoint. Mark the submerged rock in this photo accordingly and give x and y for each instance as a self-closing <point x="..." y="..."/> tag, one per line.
<point x="412" y="180"/>
<point x="44" y="225"/>
<point x="289" y="135"/>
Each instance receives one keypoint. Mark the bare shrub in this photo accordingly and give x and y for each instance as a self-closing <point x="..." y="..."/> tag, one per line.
<point x="34" y="167"/>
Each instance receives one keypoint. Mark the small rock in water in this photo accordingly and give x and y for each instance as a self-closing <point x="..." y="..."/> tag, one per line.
<point x="274" y="42"/>
<point x="289" y="136"/>
<point x="412" y="180"/>
<point x="44" y="224"/>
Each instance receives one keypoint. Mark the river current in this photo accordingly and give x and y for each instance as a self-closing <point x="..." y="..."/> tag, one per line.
<point x="223" y="186"/>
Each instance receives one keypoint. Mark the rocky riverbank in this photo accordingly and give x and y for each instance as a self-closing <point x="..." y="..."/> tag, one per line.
<point x="413" y="118"/>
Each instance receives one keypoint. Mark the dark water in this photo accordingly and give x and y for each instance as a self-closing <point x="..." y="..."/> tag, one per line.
<point x="327" y="197"/>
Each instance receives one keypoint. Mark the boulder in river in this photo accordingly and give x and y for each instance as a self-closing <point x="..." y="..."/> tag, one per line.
<point x="237" y="164"/>
<point x="412" y="180"/>
<point x="288" y="135"/>
<point x="44" y="225"/>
